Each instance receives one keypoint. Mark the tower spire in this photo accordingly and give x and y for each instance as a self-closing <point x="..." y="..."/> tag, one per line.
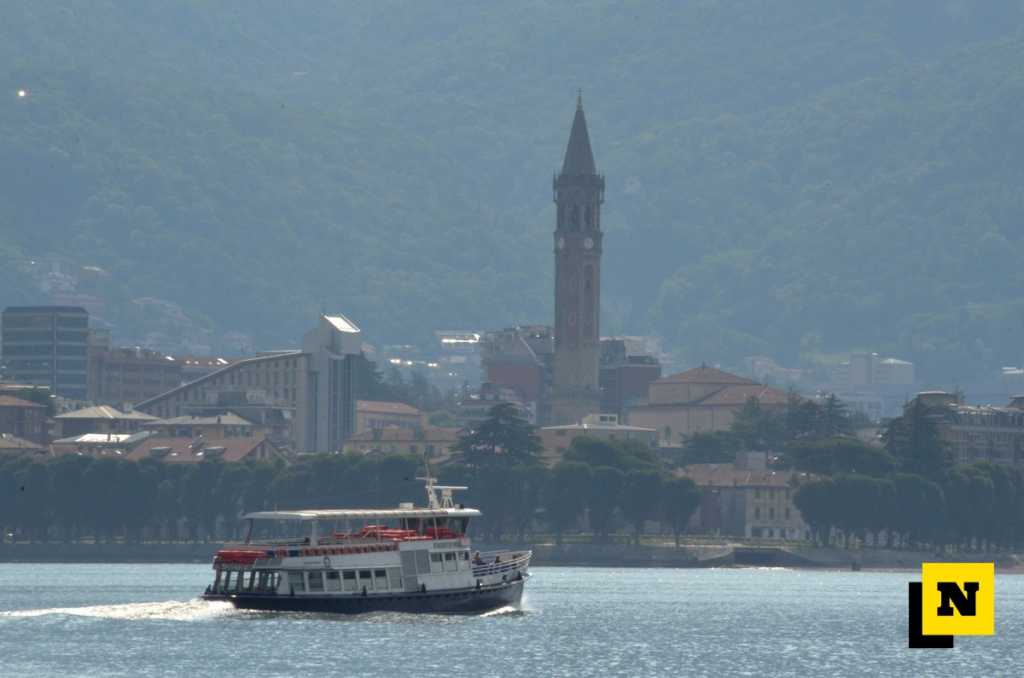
<point x="579" y="159"/>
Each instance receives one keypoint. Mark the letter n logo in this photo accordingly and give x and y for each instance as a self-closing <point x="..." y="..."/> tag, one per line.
<point x="958" y="599"/>
<point x="965" y="600"/>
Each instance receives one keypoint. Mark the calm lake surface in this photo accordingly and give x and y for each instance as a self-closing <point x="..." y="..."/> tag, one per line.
<point x="144" y="620"/>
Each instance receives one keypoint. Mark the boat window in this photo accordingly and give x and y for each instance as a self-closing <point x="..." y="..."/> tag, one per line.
<point x="225" y="582"/>
<point x="450" y="564"/>
<point x="380" y="580"/>
<point x="395" y="578"/>
<point x="366" y="579"/>
<point x="465" y="555"/>
<point x="459" y="525"/>
<point x="435" y="557"/>
<point x="316" y="581"/>
<point x="349" y="580"/>
<point x="296" y="582"/>
<point x="333" y="581"/>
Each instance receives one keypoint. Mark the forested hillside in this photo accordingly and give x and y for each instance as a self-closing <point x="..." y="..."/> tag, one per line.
<point x="783" y="178"/>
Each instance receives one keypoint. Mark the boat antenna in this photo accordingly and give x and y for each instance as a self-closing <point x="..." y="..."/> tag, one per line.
<point x="430" y="482"/>
<point x="446" y="500"/>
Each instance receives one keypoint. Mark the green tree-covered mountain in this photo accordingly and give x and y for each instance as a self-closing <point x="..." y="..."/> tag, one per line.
<point x="783" y="178"/>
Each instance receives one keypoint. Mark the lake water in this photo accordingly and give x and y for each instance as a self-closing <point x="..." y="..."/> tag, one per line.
<point x="144" y="620"/>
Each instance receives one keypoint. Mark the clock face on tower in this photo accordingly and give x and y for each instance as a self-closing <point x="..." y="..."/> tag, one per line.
<point x="588" y="243"/>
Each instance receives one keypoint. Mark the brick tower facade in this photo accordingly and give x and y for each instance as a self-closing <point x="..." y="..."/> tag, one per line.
<point x="578" y="194"/>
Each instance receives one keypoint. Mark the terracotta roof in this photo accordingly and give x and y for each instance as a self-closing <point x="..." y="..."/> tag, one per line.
<point x="227" y="419"/>
<point x="190" y="450"/>
<point x="12" y="443"/>
<point x="583" y="428"/>
<point x="385" y="407"/>
<point x="704" y="375"/>
<point x="738" y="395"/>
<point x="727" y="475"/>
<point x="105" y="412"/>
<point x="11" y="401"/>
<point x="400" y="434"/>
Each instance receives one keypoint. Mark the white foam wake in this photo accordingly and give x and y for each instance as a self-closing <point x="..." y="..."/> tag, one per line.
<point x="173" y="610"/>
<point x="508" y="609"/>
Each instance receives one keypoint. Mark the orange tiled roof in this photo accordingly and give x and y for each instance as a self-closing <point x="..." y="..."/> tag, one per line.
<point x="704" y="375"/>
<point x="385" y="407"/>
<point x="739" y="394"/>
<point x="11" y="401"/>
<point x="9" y="442"/>
<point x="398" y="434"/>
<point x="186" y="450"/>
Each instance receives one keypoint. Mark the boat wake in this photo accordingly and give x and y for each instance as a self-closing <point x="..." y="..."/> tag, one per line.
<point x="171" y="610"/>
<point x="508" y="610"/>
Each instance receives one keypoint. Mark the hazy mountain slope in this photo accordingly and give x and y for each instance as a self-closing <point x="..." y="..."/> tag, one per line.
<point x="832" y="173"/>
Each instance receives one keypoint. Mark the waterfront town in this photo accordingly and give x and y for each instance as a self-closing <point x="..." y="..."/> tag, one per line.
<point x="623" y="439"/>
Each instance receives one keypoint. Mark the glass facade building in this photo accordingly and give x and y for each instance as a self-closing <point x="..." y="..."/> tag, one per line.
<point x="47" y="346"/>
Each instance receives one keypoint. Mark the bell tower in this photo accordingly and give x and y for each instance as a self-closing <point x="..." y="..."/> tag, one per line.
<point x="578" y="194"/>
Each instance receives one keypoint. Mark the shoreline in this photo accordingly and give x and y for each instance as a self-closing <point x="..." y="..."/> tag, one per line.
<point x="736" y="555"/>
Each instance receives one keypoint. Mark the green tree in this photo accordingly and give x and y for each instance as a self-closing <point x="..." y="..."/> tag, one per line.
<point x="833" y="418"/>
<point x="914" y="440"/>
<point x="624" y="455"/>
<point x="641" y="499"/>
<point x="831" y="456"/>
<point x="71" y="501"/>
<point x="33" y="508"/>
<point x="527" y="484"/>
<point x="503" y="439"/>
<point x="566" y="496"/>
<point x="709" y="447"/>
<point x="815" y="500"/>
<point x="919" y="509"/>
<point x="802" y="417"/>
<point x="605" y="491"/>
<point x="757" y="428"/>
<point x="680" y="498"/>
<point x="969" y="506"/>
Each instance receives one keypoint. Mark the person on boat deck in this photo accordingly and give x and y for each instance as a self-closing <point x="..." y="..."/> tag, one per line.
<point x="306" y="541"/>
<point x="497" y="559"/>
<point x="477" y="560"/>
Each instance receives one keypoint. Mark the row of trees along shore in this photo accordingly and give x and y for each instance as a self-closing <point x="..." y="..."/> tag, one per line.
<point x="601" y="488"/>
<point x="905" y="492"/>
<point x="911" y="493"/>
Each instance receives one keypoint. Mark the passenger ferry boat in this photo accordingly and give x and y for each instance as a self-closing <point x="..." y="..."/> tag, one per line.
<point x="406" y="559"/>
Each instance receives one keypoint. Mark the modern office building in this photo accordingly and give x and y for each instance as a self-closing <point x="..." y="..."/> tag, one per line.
<point x="130" y="374"/>
<point x="47" y="346"/>
<point x="304" y="399"/>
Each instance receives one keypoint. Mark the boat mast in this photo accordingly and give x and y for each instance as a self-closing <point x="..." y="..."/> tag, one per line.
<point x="446" y="490"/>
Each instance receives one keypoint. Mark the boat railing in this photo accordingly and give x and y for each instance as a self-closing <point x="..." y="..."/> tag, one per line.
<point x="501" y="562"/>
